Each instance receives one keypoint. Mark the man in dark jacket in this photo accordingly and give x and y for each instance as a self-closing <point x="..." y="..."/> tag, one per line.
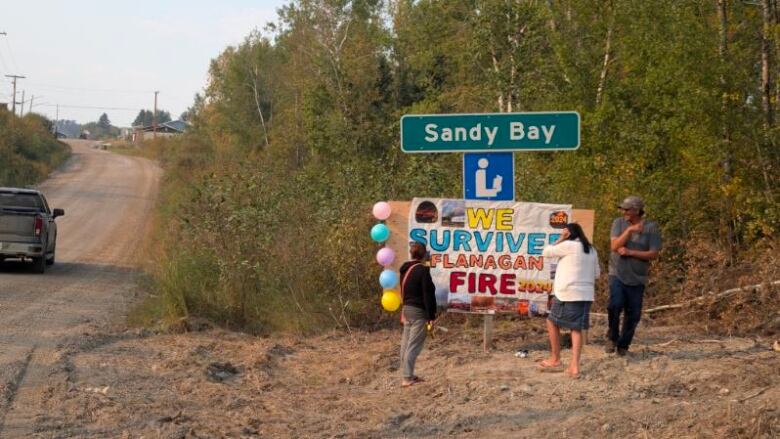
<point x="419" y="310"/>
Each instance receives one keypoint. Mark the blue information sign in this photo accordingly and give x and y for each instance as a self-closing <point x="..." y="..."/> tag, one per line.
<point x="489" y="176"/>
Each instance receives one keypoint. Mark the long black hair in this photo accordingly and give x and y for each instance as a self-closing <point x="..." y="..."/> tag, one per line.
<point x="575" y="232"/>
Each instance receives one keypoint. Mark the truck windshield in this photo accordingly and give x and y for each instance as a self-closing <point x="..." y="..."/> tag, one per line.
<point x="21" y="201"/>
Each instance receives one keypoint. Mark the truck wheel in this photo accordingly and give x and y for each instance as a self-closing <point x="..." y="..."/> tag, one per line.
<point x="50" y="261"/>
<point x="39" y="264"/>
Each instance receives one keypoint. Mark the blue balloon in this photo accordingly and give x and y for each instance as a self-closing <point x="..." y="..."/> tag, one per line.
<point x="380" y="233"/>
<point x="388" y="279"/>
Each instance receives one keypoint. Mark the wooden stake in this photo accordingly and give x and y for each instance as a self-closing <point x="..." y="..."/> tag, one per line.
<point x="487" y="341"/>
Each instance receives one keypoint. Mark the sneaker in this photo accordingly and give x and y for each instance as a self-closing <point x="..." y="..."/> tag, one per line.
<point x="622" y="351"/>
<point x="610" y="347"/>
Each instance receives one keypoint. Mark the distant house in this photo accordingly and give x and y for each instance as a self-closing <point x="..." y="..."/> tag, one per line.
<point x="3" y="106"/>
<point x="165" y="129"/>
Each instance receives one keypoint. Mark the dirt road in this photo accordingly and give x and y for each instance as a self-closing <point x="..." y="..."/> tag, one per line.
<point x="107" y="199"/>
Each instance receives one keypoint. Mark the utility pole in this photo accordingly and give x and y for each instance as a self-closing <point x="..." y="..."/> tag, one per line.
<point x="29" y="109"/>
<point x="57" y="121"/>
<point x="154" y="117"/>
<point x="13" y="101"/>
<point x="21" y="113"/>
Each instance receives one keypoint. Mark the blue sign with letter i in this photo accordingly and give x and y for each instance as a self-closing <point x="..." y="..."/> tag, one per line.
<point x="489" y="176"/>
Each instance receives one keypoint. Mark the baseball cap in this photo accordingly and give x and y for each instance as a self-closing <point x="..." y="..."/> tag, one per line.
<point x="632" y="202"/>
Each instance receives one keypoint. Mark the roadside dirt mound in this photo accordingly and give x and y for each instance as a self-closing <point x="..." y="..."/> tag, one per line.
<point x="222" y="384"/>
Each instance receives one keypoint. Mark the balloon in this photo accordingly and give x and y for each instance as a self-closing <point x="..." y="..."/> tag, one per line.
<point x="382" y="210"/>
<point x="391" y="300"/>
<point x="385" y="256"/>
<point x="380" y="233"/>
<point x="388" y="279"/>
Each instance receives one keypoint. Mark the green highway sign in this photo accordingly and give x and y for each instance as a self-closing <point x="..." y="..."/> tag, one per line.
<point x="488" y="132"/>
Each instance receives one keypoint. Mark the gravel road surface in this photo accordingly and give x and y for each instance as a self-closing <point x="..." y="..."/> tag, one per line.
<point x="108" y="200"/>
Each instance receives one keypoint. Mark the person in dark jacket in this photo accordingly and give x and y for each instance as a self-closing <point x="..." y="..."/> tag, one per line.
<point x="419" y="310"/>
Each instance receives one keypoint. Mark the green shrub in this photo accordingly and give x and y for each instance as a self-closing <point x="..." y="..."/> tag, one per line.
<point x="28" y="149"/>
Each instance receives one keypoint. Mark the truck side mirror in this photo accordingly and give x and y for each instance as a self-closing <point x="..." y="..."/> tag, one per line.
<point x="58" y="212"/>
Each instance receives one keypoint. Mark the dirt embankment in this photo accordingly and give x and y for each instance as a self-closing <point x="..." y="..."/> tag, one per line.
<point x="221" y="384"/>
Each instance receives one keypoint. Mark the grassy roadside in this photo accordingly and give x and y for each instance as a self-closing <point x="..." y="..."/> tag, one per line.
<point x="224" y="253"/>
<point x="168" y="272"/>
<point x="147" y="151"/>
<point x="28" y="150"/>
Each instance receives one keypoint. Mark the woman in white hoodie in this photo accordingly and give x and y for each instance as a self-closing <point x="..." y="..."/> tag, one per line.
<point x="573" y="289"/>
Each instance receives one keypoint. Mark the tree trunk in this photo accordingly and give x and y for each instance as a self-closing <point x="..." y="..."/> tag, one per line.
<point x="256" y="94"/>
<point x="766" y="76"/>
<point x="298" y="142"/>
<point x="766" y="94"/>
<point x="513" y="44"/>
<point x="551" y="22"/>
<point x="497" y="70"/>
<point x="605" y="64"/>
<point x="513" y="21"/>
<point x="775" y="16"/>
<point x="727" y="220"/>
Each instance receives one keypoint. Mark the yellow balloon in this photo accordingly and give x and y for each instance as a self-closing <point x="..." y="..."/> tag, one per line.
<point x="391" y="300"/>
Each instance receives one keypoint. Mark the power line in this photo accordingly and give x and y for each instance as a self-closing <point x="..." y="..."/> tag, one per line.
<point x="11" y="53"/>
<point x="87" y="89"/>
<point x="89" y="107"/>
<point x="2" y="60"/>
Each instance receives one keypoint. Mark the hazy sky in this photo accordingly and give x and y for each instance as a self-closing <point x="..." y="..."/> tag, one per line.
<point x="114" y="54"/>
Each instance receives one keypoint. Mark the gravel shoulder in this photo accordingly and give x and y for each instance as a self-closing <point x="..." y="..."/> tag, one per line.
<point x="216" y="383"/>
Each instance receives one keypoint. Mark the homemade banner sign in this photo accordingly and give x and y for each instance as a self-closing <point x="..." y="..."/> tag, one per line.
<point x="486" y="256"/>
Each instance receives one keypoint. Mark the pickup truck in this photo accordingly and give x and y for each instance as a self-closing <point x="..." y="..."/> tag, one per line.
<point x="27" y="227"/>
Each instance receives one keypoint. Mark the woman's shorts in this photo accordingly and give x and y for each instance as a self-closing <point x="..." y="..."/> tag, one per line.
<point x="572" y="315"/>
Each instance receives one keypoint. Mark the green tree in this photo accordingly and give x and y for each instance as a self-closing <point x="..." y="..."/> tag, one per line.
<point x="146" y="117"/>
<point x="103" y="122"/>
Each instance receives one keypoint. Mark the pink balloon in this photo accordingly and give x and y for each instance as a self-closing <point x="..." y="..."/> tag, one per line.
<point x="382" y="210"/>
<point x="385" y="256"/>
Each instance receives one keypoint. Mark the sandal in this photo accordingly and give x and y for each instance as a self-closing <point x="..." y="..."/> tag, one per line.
<point x="409" y="383"/>
<point x="546" y="366"/>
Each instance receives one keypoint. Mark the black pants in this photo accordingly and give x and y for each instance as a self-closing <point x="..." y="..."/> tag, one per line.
<point x="626" y="298"/>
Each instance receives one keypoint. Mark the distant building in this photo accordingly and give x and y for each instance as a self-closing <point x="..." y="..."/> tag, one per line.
<point x="3" y="106"/>
<point x="165" y="129"/>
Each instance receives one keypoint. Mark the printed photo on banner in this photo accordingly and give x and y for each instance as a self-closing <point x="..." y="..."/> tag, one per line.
<point x="486" y="256"/>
